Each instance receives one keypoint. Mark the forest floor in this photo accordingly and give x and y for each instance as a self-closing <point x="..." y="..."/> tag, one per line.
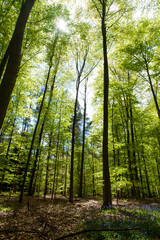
<point x="37" y="218"/>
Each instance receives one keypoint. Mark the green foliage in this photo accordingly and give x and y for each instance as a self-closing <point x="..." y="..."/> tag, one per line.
<point x="146" y="219"/>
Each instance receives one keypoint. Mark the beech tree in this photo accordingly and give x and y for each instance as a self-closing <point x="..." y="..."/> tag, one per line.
<point x="12" y="58"/>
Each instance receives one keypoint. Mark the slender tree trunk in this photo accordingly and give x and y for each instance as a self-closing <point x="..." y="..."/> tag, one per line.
<point x="30" y="192"/>
<point x="56" y="157"/>
<point x="107" y="197"/>
<point x="65" y="175"/>
<point x="12" y="59"/>
<point x="47" y="166"/>
<point x="117" y="136"/>
<point x="38" y="119"/>
<point x="129" y="161"/>
<point x="158" y="169"/>
<point x="146" y="174"/>
<point x="65" y="179"/>
<point x="140" y="168"/>
<point x="93" y="178"/>
<point x="152" y="89"/>
<point x="79" y="72"/>
<point x="33" y="137"/>
<point x="73" y="140"/>
<point x="113" y="141"/>
<point x="41" y="132"/>
<point x="83" y="144"/>
<point x="134" y="153"/>
<point x="56" y="180"/>
<point x="8" y="148"/>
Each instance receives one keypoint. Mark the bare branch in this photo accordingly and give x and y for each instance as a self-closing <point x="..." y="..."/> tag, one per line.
<point x="38" y="52"/>
<point x="116" y="20"/>
<point x="137" y="58"/>
<point x="97" y="8"/>
<point x="90" y="71"/>
<point x="143" y="77"/>
<point x="109" y="7"/>
<point x="84" y="61"/>
<point x="97" y="230"/>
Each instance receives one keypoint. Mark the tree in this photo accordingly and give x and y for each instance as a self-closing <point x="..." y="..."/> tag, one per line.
<point x="83" y="143"/>
<point x="12" y="58"/>
<point x="80" y="69"/>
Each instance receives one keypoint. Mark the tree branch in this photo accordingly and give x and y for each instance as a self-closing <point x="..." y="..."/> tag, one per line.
<point x="90" y="71"/>
<point x="97" y="8"/>
<point x="109" y="7"/>
<point x="97" y="230"/>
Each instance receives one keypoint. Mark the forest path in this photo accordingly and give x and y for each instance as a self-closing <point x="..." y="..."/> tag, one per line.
<point x="37" y="218"/>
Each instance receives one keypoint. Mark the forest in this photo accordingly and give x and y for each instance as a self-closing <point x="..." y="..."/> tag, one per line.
<point x="79" y="119"/>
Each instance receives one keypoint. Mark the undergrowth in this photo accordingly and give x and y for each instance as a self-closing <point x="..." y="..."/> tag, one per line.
<point x="147" y="219"/>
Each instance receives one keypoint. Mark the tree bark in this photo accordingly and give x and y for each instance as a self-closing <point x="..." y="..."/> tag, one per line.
<point x="33" y="137"/>
<point x="83" y="144"/>
<point x="14" y="57"/>
<point x="56" y="157"/>
<point x="47" y="166"/>
<point x="107" y="198"/>
<point x="79" y="72"/>
<point x="152" y="89"/>
<point x="41" y="132"/>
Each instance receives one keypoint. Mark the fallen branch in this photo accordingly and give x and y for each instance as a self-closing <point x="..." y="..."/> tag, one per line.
<point x="97" y="230"/>
<point x="8" y="231"/>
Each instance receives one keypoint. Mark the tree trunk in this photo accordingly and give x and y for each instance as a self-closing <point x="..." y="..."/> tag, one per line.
<point x="129" y="160"/>
<point x="30" y="192"/>
<point x="47" y="167"/>
<point x="41" y="132"/>
<point x="107" y="198"/>
<point x="79" y="72"/>
<point x="14" y="57"/>
<point x="146" y="174"/>
<point x="113" y="141"/>
<point x="134" y="153"/>
<point x="56" y="157"/>
<point x="65" y="175"/>
<point x="72" y="150"/>
<point x="8" y="148"/>
<point x="33" y="137"/>
<point x="152" y="89"/>
<point x="83" y="145"/>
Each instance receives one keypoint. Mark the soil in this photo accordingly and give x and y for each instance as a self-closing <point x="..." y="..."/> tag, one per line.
<point x="37" y="218"/>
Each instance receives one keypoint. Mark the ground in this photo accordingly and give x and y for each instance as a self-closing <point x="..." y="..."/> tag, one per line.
<point x="37" y="218"/>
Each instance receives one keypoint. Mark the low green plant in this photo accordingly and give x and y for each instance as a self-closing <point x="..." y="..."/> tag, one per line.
<point x="146" y="219"/>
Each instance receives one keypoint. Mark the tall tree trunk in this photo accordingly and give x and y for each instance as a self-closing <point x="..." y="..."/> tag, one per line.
<point x="129" y="159"/>
<point x="117" y="136"/>
<point x="83" y="144"/>
<point x="13" y="58"/>
<point x="93" y="178"/>
<point x="134" y="153"/>
<point x="152" y="89"/>
<point x="79" y="73"/>
<point x="146" y="174"/>
<point x="113" y="136"/>
<point x="65" y="179"/>
<point x="56" y="157"/>
<point x="47" y="166"/>
<point x="39" y="115"/>
<point x="107" y="197"/>
<point x="73" y="140"/>
<point x="56" y="179"/>
<point x="158" y="172"/>
<point x="33" y="137"/>
<point x="6" y="161"/>
<point x="41" y="131"/>
<point x="140" y="168"/>
<point x="30" y="192"/>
